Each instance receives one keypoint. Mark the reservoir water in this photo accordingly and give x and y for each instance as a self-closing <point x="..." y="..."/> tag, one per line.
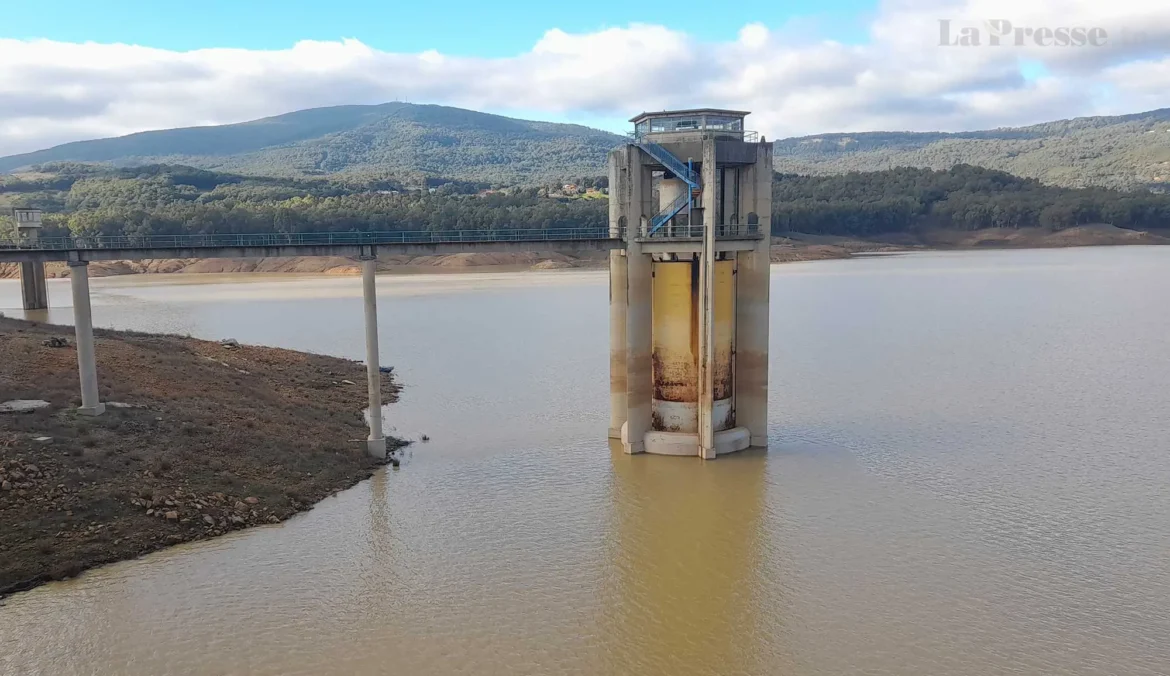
<point x="967" y="474"/>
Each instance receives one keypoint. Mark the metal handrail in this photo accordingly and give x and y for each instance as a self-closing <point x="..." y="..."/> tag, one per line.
<point x="196" y="241"/>
<point x="697" y="231"/>
<point x="668" y="160"/>
<point x="660" y="218"/>
<point x="748" y="136"/>
<point x="671" y="162"/>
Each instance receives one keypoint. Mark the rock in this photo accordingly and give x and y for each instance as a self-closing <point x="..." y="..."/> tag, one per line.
<point x="42" y="440"/>
<point x="22" y="405"/>
<point x="32" y="469"/>
<point x="386" y="369"/>
<point x="240" y="506"/>
<point x="230" y="343"/>
<point x="7" y="486"/>
<point x="55" y="341"/>
<point x="16" y="475"/>
<point x="149" y="512"/>
<point x="348" y="382"/>
<point x="172" y="516"/>
<point x="552" y="265"/>
<point x="252" y="501"/>
<point x="236" y="519"/>
<point x="207" y="519"/>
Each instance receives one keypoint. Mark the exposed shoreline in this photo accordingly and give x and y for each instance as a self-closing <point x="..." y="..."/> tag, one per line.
<point x="207" y="439"/>
<point x="788" y="247"/>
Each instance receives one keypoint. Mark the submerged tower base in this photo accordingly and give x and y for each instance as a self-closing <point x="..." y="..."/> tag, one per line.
<point x="687" y="443"/>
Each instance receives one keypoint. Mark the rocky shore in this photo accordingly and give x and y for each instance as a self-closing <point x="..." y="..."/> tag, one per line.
<point x="793" y="247"/>
<point x="199" y="439"/>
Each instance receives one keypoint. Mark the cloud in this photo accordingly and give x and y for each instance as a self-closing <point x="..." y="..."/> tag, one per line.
<point x="901" y="78"/>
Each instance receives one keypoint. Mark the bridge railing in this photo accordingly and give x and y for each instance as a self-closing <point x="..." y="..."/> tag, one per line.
<point x="270" y="239"/>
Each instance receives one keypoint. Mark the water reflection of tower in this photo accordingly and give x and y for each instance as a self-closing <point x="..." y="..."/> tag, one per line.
<point x="687" y="556"/>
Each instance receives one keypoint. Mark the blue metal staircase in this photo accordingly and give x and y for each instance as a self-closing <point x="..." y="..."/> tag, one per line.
<point x="680" y="170"/>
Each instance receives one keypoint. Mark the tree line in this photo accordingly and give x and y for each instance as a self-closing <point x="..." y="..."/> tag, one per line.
<point x="82" y="199"/>
<point x="963" y="197"/>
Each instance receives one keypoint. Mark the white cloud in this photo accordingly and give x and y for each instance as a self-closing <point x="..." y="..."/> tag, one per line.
<point x="901" y="78"/>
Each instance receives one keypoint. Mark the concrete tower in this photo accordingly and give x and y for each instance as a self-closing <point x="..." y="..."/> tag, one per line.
<point x="689" y="295"/>
<point x="33" y="292"/>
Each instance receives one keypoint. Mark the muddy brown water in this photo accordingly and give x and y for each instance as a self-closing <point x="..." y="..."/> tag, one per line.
<point x="967" y="475"/>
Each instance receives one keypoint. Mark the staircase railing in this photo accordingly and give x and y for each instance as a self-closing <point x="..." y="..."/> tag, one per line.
<point x="668" y="212"/>
<point x="668" y="160"/>
<point x="676" y="167"/>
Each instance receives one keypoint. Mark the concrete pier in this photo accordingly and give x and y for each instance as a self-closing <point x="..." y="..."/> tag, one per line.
<point x="617" y="344"/>
<point x="376" y="443"/>
<point x="706" y="323"/>
<point x="752" y="309"/>
<point x="83" y="323"/>
<point x="618" y="219"/>
<point x="34" y="294"/>
<point x="639" y="349"/>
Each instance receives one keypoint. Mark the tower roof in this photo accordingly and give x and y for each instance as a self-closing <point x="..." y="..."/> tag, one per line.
<point x="642" y="116"/>
<point x="689" y="111"/>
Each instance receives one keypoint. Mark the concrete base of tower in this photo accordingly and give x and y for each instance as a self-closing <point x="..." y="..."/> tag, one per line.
<point x="687" y="443"/>
<point x="759" y="442"/>
<point x="616" y="432"/>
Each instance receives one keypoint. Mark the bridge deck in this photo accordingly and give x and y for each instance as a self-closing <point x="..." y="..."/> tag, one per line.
<point x="280" y="245"/>
<point x="359" y="244"/>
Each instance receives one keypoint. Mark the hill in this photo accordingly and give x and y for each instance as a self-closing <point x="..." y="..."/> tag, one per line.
<point x="410" y="143"/>
<point x="406" y="140"/>
<point x="1127" y="152"/>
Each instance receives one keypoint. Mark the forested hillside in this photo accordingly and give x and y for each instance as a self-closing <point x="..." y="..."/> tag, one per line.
<point x="416" y="143"/>
<point x="410" y="141"/>
<point x="161" y="199"/>
<point x="164" y="199"/>
<point x="1128" y="152"/>
<point x="963" y="197"/>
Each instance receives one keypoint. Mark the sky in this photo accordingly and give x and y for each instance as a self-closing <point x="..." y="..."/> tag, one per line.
<point x="73" y="69"/>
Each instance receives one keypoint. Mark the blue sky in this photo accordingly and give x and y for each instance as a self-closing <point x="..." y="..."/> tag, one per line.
<point x="456" y="27"/>
<point x="80" y="69"/>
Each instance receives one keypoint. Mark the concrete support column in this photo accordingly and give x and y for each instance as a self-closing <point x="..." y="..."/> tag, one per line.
<point x="706" y="303"/>
<point x="376" y="443"/>
<point x="83" y="323"/>
<point x="619" y="220"/>
<point x="619" y="192"/>
<point x="34" y="294"/>
<point x="618" y="400"/>
<point x="639" y="348"/>
<point x="752" y="310"/>
<point x="641" y="187"/>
